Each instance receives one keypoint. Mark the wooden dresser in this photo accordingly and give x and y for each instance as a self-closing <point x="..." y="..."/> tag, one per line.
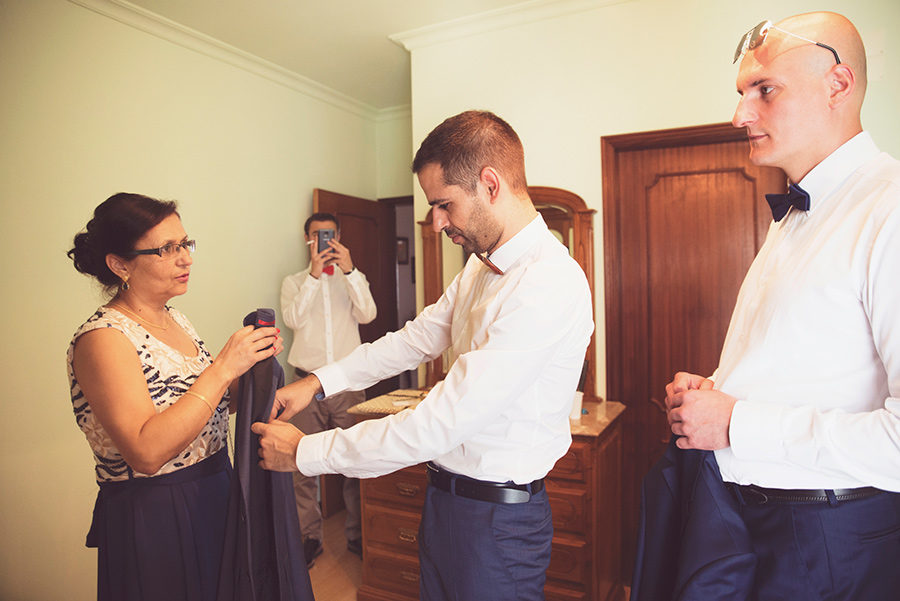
<point x="585" y="493"/>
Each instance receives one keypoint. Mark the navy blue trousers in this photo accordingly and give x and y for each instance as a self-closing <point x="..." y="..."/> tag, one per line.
<point x="477" y="551"/>
<point x="818" y="552"/>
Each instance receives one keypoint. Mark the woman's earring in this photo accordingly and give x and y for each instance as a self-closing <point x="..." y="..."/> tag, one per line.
<point x="125" y="285"/>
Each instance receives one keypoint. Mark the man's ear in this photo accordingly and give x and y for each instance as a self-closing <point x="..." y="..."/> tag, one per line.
<point x="490" y="179"/>
<point x="841" y="83"/>
<point x="117" y="265"/>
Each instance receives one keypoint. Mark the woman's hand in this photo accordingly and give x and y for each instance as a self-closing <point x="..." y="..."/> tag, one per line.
<point x="245" y="348"/>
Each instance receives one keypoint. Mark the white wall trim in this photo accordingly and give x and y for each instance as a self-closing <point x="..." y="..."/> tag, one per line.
<point x="402" y="111"/>
<point x="501" y="18"/>
<point x="161" y="27"/>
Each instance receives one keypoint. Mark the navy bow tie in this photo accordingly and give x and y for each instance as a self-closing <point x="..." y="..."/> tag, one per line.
<point x="780" y="203"/>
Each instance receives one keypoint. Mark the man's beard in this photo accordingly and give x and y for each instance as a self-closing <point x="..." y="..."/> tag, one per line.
<point x="482" y="230"/>
<point x="467" y="244"/>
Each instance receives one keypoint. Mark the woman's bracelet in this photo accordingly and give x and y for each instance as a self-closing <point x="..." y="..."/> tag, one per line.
<point x="202" y="398"/>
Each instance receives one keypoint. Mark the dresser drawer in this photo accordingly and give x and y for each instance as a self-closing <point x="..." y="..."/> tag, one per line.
<point x="391" y="572"/>
<point x="569" y="560"/>
<point x="570" y="509"/>
<point x="574" y="465"/>
<point x="392" y="529"/>
<point x="557" y="592"/>
<point x="405" y="487"/>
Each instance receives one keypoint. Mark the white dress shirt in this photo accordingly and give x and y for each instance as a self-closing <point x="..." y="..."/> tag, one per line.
<point x="502" y="411"/>
<point x="813" y="349"/>
<point x="325" y="314"/>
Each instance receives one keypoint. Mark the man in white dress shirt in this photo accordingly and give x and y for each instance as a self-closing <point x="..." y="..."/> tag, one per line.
<point x="803" y="412"/>
<point x="518" y="318"/>
<point x="324" y="305"/>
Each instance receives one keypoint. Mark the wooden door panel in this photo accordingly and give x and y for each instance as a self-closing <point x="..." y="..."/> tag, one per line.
<point x="684" y="215"/>
<point x="687" y="321"/>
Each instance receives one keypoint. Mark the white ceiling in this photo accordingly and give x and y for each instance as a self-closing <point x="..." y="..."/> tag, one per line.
<point x="342" y="44"/>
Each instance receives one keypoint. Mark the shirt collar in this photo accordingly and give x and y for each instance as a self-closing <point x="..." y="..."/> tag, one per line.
<point x="838" y="166"/>
<point x="516" y="246"/>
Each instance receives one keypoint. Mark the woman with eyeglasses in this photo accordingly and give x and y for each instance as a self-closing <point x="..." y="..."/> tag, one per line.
<point x="154" y="407"/>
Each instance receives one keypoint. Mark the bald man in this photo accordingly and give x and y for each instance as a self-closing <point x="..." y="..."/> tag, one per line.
<point x="803" y="412"/>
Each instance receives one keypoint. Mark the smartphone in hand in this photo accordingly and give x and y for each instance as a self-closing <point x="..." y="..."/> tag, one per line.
<point x="324" y="236"/>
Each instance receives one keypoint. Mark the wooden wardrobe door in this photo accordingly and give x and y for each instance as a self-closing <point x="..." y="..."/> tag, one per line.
<point x="684" y="215"/>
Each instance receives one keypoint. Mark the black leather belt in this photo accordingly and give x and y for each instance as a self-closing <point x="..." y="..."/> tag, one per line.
<point x="480" y="490"/>
<point x="757" y="495"/>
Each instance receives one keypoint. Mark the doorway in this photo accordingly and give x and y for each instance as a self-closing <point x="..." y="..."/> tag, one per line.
<point x="371" y="227"/>
<point x="370" y="231"/>
<point x="683" y="217"/>
<point x="405" y="272"/>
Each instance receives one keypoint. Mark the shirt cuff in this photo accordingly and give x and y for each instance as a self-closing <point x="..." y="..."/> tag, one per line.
<point x="332" y="379"/>
<point x="310" y="461"/>
<point x="755" y="431"/>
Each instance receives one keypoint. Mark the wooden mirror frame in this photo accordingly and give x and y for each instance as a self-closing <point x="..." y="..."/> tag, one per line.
<point x="559" y="206"/>
<point x="433" y="286"/>
<point x="552" y="203"/>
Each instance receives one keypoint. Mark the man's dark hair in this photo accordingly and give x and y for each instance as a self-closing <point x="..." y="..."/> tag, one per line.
<point x="465" y="144"/>
<point x="321" y="217"/>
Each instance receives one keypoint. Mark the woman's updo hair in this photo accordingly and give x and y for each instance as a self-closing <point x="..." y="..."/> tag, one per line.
<point x="118" y="223"/>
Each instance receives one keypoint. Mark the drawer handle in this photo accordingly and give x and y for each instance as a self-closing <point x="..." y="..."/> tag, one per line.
<point x="409" y="576"/>
<point x="406" y="535"/>
<point x="407" y="490"/>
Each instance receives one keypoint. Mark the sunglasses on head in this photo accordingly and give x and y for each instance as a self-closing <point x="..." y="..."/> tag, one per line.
<point x="755" y="37"/>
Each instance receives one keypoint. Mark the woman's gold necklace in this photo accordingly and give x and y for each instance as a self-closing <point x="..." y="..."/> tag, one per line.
<point x="121" y="308"/>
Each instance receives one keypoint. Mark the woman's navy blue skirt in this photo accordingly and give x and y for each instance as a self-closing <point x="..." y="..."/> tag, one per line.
<point x="161" y="538"/>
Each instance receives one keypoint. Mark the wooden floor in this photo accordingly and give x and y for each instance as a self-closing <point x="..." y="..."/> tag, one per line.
<point x="337" y="572"/>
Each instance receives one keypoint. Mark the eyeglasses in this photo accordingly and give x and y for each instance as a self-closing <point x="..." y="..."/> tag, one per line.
<point x="167" y="251"/>
<point x="755" y="37"/>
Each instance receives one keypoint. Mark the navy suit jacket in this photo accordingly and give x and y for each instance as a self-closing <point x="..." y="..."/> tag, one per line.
<point x="692" y="541"/>
<point x="263" y="556"/>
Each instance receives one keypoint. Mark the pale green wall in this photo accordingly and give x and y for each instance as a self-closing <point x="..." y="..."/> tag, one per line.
<point x="91" y="106"/>
<point x="565" y="82"/>
<point x="394" y="154"/>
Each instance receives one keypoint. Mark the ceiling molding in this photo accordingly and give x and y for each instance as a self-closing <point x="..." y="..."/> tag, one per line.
<point x="402" y="111"/>
<point x="166" y="29"/>
<point x="501" y="18"/>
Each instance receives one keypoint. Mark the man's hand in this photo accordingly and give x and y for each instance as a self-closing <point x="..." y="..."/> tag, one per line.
<point x="318" y="260"/>
<point x="342" y="256"/>
<point x="685" y="381"/>
<point x="701" y="418"/>
<point x="293" y="398"/>
<point x="697" y="413"/>
<point x="277" y="445"/>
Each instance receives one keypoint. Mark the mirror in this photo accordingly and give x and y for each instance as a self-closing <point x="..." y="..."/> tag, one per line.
<point x="560" y="223"/>
<point x="572" y="222"/>
<point x="569" y="219"/>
